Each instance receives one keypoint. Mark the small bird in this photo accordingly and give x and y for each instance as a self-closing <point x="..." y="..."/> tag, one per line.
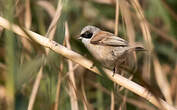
<point x="111" y="51"/>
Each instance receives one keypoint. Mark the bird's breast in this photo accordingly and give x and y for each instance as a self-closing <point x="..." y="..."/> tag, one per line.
<point x="104" y="54"/>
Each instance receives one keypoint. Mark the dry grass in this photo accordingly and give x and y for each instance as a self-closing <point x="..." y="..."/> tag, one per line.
<point x="129" y="19"/>
<point x="162" y="81"/>
<point x="87" y="64"/>
<point x="50" y="34"/>
<point x="72" y="88"/>
<point x="35" y="89"/>
<point x="58" y="87"/>
<point x="117" y="18"/>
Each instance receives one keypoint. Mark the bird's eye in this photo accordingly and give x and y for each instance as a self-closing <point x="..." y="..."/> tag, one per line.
<point x="87" y="34"/>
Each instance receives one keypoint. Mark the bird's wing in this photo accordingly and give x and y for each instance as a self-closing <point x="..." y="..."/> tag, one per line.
<point x="109" y="39"/>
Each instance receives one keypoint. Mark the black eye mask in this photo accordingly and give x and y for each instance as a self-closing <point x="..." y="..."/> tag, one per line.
<point x="87" y="35"/>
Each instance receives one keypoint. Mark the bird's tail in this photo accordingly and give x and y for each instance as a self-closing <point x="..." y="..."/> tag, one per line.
<point x="138" y="47"/>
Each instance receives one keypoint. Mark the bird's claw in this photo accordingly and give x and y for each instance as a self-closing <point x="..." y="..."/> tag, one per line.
<point x="114" y="71"/>
<point x="93" y="65"/>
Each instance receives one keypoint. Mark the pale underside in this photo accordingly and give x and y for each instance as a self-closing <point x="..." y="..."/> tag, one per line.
<point x="107" y="55"/>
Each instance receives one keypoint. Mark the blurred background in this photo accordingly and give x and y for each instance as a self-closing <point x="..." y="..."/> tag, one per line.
<point x="33" y="78"/>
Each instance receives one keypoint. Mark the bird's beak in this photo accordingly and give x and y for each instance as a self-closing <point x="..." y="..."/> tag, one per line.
<point x="79" y="37"/>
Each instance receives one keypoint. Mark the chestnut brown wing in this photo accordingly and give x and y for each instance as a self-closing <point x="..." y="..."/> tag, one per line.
<point x="109" y="39"/>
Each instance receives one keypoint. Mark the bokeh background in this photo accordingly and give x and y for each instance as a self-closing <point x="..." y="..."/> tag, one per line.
<point x="62" y="84"/>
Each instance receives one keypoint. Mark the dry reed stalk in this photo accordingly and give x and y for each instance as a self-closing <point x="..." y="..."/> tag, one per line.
<point x="140" y="104"/>
<point x="112" y="101"/>
<point x="27" y="22"/>
<point x="147" y="38"/>
<point x="50" y="33"/>
<point x="48" y="7"/>
<point x="124" y="100"/>
<point x="3" y="98"/>
<point x="173" y="85"/>
<point x="16" y="2"/>
<point x="77" y="58"/>
<point x="60" y="79"/>
<point x="72" y="92"/>
<point x="125" y="11"/>
<point x="26" y="44"/>
<point x="2" y="93"/>
<point x="162" y="81"/>
<point x="67" y="74"/>
<point x="27" y="14"/>
<point x="85" y="103"/>
<point x="35" y="89"/>
<point x="51" y="30"/>
<point x="122" y="88"/>
<point x="2" y="66"/>
<point x="116" y="29"/>
<point x="143" y="24"/>
<point x="110" y="24"/>
<point x="58" y="87"/>
<point x="105" y="1"/>
<point x="159" y="32"/>
<point x="53" y="25"/>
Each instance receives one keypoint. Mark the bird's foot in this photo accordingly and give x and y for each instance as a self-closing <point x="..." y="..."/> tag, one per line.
<point x="93" y="65"/>
<point x="114" y="72"/>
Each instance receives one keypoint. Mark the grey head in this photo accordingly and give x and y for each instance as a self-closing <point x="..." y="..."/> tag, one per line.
<point x="89" y="31"/>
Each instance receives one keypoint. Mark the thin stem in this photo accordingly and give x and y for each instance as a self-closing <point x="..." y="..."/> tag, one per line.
<point x="35" y="89"/>
<point x="117" y="18"/>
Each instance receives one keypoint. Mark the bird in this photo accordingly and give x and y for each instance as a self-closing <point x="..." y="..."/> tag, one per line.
<point x="110" y="50"/>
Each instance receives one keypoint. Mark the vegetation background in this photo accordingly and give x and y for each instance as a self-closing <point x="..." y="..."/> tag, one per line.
<point x="32" y="77"/>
